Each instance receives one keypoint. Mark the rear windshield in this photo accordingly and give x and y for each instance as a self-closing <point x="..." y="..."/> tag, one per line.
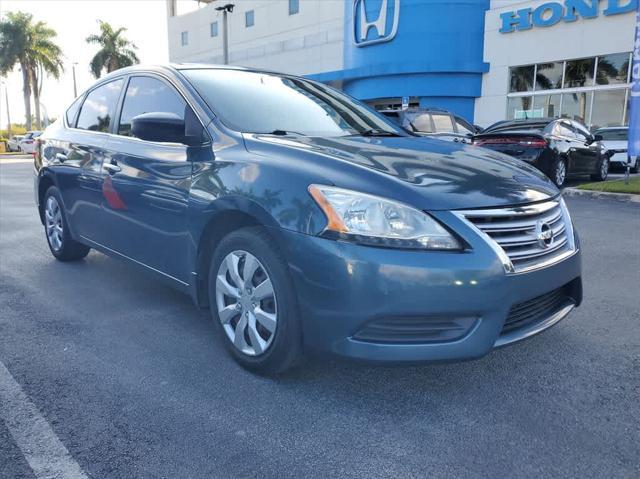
<point x="614" y="135"/>
<point x="259" y="102"/>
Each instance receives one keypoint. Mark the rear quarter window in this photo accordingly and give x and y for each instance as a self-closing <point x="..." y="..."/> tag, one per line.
<point x="99" y="107"/>
<point x="72" y="112"/>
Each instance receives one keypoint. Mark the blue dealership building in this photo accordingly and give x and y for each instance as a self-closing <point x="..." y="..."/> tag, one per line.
<point x="483" y="60"/>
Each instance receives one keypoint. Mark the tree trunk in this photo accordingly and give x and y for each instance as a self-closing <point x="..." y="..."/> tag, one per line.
<point x="36" y="98"/>
<point x="26" y="93"/>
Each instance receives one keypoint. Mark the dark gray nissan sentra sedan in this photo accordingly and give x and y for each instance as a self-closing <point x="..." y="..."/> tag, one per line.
<point x="304" y="220"/>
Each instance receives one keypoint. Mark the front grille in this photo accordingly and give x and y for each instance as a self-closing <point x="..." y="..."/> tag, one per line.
<point x="518" y="231"/>
<point x="536" y="309"/>
<point x="415" y="330"/>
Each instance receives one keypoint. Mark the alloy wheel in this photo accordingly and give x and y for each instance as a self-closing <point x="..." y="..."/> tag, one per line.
<point x="561" y="173"/>
<point x="53" y="223"/>
<point x="246" y="303"/>
<point x="604" y="169"/>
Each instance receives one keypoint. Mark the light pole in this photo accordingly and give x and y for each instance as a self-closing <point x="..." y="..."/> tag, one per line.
<point x="225" y="9"/>
<point x="75" y="87"/>
<point x="6" y="98"/>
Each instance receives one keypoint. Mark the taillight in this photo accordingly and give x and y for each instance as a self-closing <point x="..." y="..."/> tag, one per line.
<point x="28" y="142"/>
<point x="525" y="141"/>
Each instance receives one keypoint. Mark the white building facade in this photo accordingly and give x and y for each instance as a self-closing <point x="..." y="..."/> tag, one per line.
<point x="485" y="60"/>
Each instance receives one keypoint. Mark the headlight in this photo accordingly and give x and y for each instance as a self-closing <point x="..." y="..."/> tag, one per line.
<point x="375" y="221"/>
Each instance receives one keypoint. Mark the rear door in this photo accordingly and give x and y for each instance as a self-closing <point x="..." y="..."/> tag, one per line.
<point x="146" y="190"/>
<point x="77" y="155"/>
<point x="565" y="132"/>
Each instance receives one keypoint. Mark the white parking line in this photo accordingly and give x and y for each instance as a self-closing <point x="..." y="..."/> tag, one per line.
<point x="46" y="455"/>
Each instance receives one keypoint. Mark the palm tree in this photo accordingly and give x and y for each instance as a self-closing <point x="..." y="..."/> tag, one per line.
<point x="46" y="58"/>
<point x="115" y="50"/>
<point x="32" y="47"/>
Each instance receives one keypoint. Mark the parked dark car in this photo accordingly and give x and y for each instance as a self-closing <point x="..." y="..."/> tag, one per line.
<point x="305" y="220"/>
<point x="434" y="122"/>
<point x="558" y="147"/>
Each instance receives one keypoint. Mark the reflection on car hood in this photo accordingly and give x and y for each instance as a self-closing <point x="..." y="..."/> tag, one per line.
<point x="437" y="174"/>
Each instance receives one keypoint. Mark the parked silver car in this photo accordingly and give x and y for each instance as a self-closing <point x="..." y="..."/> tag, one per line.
<point x="616" y="141"/>
<point x="28" y="143"/>
<point x="13" y="144"/>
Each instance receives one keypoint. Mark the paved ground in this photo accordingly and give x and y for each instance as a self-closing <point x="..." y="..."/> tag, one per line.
<point x="133" y="381"/>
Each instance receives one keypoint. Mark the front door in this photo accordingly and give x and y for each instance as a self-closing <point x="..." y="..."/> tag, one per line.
<point x="146" y="186"/>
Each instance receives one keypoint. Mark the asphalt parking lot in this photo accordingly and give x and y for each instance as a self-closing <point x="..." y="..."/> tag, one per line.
<point x="131" y="379"/>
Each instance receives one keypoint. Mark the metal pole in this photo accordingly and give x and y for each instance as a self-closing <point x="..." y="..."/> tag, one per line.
<point x="75" y="87"/>
<point x="6" y="97"/>
<point x="226" y="10"/>
<point x="225" y="38"/>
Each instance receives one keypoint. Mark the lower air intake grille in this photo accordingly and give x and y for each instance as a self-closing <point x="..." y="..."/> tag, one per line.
<point x="536" y="309"/>
<point x="415" y="330"/>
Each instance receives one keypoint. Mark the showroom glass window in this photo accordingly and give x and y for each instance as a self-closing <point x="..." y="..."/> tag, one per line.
<point x="294" y="7"/>
<point x="146" y="95"/>
<point x="249" y="19"/>
<point x="184" y="39"/>
<point x="522" y="78"/>
<point x="213" y="29"/>
<point x="613" y="69"/>
<point x="593" y="90"/>
<point x="99" y="107"/>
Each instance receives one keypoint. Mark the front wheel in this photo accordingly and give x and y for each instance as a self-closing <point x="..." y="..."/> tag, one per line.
<point x="559" y="172"/>
<point x="603" y="170"/>
<point x="252" y="300"/>
<point x="56" y="227"/>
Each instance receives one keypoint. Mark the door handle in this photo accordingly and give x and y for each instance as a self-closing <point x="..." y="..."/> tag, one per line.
<point x="111" y="168"/>
<point x="61" y="157"/>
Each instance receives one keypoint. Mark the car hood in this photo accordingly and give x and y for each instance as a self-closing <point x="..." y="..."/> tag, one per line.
<point x="428" y="173"/>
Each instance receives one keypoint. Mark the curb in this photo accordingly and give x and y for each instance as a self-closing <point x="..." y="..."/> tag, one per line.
<point x="626" y="197"/>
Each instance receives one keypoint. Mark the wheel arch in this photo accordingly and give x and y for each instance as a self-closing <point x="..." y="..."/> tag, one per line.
<point x="45" y="182"/>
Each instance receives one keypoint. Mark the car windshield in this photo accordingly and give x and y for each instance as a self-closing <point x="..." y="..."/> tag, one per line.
<point x="614" y="135"/>
<point x="258" y="102"/>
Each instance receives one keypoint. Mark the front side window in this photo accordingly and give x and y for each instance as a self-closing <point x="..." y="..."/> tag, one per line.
<point x="294" y="7"/>
<point x="72" y="111"/>
<point x="146" y="95"/>
<point x="249" y="18"/>
<point x="99" y="107"/>
<point x="419" y="122"/>
<point x="442" y="123"/>
<point x="257" y="102"/>
<point x="464" y="127"/>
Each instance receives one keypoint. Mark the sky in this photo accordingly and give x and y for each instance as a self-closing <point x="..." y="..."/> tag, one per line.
<point x="75" y="20"/>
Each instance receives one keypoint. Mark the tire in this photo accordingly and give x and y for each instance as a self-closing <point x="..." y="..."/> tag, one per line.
<point x="603" y="170"/>
<point x="274" y="318"/>
<point x="559" y="172"/>
<point x="56" y="229"/>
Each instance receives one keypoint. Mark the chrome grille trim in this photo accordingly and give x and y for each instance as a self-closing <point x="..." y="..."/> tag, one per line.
<point x="514" y="231"/>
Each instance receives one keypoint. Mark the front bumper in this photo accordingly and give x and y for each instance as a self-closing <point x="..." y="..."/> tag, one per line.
<point x="343" y="287"/>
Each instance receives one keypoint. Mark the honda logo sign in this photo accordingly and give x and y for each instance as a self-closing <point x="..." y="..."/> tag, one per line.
<point x="381" y="25"/>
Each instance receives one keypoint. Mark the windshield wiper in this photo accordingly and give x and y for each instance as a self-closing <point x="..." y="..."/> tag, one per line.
<point x="378" y="132"/>
<point x="286" y="132"/>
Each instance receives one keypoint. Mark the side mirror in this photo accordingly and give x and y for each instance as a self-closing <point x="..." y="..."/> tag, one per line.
<point x="168" y="128"/>
<point x="157" y="126"/>
<point x="597" y="138"/>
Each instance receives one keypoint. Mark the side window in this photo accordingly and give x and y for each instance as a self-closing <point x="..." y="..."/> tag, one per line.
<point x="463" y="127"/>
<point x="442" y="123"/>
<point x="72" y="111"/>
<point x="581" y="132"/>
<point x="99" y="107"/>
<point x="420" y="122"/>
<point x="146" y="95"/>
<point x="563" y="129"/>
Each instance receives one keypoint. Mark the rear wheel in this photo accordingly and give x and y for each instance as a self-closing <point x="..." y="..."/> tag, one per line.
<point x="56" y="228"/>
<point x="253" y="302"/>
<point x="559" y="172"/>
<point x="603" y="170"/>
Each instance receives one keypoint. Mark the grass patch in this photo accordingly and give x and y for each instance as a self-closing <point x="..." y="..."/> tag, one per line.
<point x="614" y="186"/>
